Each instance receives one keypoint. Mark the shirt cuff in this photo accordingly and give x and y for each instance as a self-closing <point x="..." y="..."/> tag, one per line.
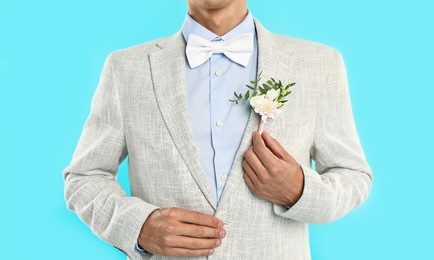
<point x="140" y="250"/>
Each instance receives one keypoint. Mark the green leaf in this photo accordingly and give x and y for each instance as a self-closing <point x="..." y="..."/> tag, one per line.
<point x="262" y="89"/>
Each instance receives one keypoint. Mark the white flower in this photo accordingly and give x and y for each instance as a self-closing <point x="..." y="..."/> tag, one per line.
<point x="257" y="100"/>
<point x="266" y="100"/>
<point x="266" y="107"/>
<point x="272" y="94"/>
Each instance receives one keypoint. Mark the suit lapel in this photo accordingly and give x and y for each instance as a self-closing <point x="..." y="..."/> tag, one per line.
<point x="168" y="75"/>
<point x="269" y="56"/>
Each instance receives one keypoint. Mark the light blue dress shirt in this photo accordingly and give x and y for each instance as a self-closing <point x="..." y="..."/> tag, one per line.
<point x="218" y="124"/>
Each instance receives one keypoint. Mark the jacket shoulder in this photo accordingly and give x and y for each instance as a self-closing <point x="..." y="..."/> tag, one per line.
<point x="304" y="47"/>
<point x="292" y="47"/>
<point x="137" y="52"/>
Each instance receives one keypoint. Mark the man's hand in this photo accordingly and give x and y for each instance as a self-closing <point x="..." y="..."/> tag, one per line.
<point x="271" y="173"/>
<point x="180" y="232"/>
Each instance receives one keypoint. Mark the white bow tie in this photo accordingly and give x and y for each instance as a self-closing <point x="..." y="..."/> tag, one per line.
<point x="238" y="49"/>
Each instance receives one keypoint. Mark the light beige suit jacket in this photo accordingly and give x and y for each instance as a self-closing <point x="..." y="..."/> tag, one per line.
<point x="140" y="109"/>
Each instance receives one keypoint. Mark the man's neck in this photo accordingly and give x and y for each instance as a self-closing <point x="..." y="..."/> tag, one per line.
<point x="220" y="21"/>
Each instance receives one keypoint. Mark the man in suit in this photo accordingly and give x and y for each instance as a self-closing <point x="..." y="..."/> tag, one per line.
<point x="204" y="182"/>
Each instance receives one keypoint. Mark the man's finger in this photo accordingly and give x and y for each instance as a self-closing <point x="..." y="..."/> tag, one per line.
<point x="264" y="154"/>
<point x="251" y="174"/>
<point x="274" y="146"/>
<point x="192" y="230"/>
<point x="199" y="218"/>
<point x="189" y="252"/>
<point x="254" y="162"/>
<point x="249" y="182"/>
<point x="193" y="243"/>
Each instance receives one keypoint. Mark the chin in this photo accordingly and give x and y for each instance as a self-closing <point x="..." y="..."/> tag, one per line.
<point x="213" y="4"/>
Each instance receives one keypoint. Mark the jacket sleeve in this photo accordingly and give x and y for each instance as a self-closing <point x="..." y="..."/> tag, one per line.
<point x="342" y="179"/>
<point x="91" y="188"/>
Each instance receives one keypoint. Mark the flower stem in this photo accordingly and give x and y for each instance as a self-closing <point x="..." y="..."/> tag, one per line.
<point x="261" y="125"/>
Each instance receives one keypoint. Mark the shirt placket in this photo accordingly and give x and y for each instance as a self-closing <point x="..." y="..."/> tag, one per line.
<point x="218" y="117"/>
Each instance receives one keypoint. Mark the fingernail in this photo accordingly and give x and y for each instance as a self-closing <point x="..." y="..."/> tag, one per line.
<point x="222" y="234"/>
<point x="221" y="224"/>
<point x="211" y="251"/>
<point x="218" y="242"/>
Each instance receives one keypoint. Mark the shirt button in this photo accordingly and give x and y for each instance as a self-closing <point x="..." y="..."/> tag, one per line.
<point x="218" y="73"/>
<point x="224" y="177"/>
<point x="219" y="123"/>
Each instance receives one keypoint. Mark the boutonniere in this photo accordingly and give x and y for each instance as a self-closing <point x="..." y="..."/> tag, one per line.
<point x="267" y="99"/>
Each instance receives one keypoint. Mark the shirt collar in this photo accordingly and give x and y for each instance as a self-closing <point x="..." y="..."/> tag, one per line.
<point x="190" y="26"/>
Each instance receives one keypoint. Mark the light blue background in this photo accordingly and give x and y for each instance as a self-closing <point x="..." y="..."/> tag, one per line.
<point x="51" y="55"/>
